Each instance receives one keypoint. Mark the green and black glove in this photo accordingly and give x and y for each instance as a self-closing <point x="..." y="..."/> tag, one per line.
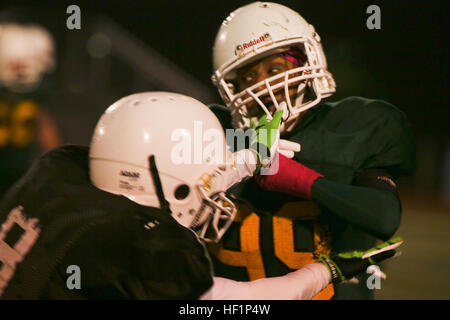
<point x="346" y="265"/>
<point x="265" y="138"/>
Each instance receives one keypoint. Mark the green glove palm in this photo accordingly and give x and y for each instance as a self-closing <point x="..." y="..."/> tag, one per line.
<point x="265" y="138"/>
<point x="346" y="265"/>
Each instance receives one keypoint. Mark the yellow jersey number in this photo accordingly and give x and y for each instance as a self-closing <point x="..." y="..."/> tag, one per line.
<point x="283" y="237"/>
<point x="18" y="123"/>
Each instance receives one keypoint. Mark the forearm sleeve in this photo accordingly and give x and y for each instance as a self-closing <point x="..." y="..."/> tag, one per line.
<point x="375" y="210"/>
<point x="302" y="284"/>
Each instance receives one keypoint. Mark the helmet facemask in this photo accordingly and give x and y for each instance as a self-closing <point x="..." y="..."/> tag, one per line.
<point x="311" y="80"/>
<point x="219" y="211"/>
<point x="216" y="211"/>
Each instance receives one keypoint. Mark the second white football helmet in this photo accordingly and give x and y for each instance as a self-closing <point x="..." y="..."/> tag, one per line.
<point x="188" y="146"/>
<point x="255" y="31"/>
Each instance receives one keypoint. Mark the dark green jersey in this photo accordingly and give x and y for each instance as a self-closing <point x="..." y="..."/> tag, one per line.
<point x="342" y="139"/>
<point x="274" y="232"/>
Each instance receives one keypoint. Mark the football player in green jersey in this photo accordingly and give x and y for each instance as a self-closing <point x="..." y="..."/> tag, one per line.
<point x="338" y="192"/>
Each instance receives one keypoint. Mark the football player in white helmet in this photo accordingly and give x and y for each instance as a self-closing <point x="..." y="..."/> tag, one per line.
<point x="187" y="142"/>
<point x="338" y="188"/>
<point x="142" y="238"/>
<point x="278" y="41"/>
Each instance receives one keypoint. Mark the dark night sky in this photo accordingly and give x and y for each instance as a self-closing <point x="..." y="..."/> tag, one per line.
<point x="405" y="62"/>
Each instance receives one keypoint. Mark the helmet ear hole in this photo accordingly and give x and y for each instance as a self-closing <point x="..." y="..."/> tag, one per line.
<point x="181" y="192"/>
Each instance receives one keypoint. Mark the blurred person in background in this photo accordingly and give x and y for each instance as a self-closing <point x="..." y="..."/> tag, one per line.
<point x="27" y="57"/>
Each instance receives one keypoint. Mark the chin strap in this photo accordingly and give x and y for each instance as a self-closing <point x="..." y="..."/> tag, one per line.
<point x="164" y="204"/>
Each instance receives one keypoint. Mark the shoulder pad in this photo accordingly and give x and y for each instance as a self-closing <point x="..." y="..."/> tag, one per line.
<point x="387" y="139"/>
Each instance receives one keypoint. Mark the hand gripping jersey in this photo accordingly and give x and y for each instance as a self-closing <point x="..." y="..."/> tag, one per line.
<point x="275" y="233"/>
<point x="54" y="218"/>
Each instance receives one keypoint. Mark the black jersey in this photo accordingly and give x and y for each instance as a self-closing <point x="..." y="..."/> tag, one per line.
<point x="55" y="223"/>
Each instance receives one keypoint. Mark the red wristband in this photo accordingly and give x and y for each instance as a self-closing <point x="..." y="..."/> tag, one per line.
<point x="292" y="178"/>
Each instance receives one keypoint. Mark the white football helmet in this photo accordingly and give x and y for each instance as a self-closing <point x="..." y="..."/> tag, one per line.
<point x="26" y="54"/>
<point x="189" y="149"/>
<point x="255" y="31"/>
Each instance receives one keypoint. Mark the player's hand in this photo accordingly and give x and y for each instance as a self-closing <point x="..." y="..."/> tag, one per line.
<point x="346" y="265"/>
<point x="288" y="148"/>
<point x="265" y="139"/>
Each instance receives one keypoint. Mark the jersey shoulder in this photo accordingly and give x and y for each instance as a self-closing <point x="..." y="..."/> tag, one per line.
<point x="63" y="166"/>
<point x="356" y="113"/>
<point x="66" y="162"/>
<point x="173" y="263"/>
<point x="384" y="134"/>
<point x="344" y="138"/>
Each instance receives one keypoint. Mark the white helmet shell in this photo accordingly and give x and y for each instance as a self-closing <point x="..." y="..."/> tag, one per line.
<point x="175" y="130"/>
<point x="256" y="28"/>
<point x="255" y="31"/>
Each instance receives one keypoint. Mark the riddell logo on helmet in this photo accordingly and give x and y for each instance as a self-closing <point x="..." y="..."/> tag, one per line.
<point x="251" y="43"/>
<point x="129" y="174"/>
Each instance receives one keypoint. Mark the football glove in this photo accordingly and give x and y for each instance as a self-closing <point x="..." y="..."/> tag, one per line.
<point x="265" y="138"/>
<point x="288" y="148"/>
<point x="346" y="265"/>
